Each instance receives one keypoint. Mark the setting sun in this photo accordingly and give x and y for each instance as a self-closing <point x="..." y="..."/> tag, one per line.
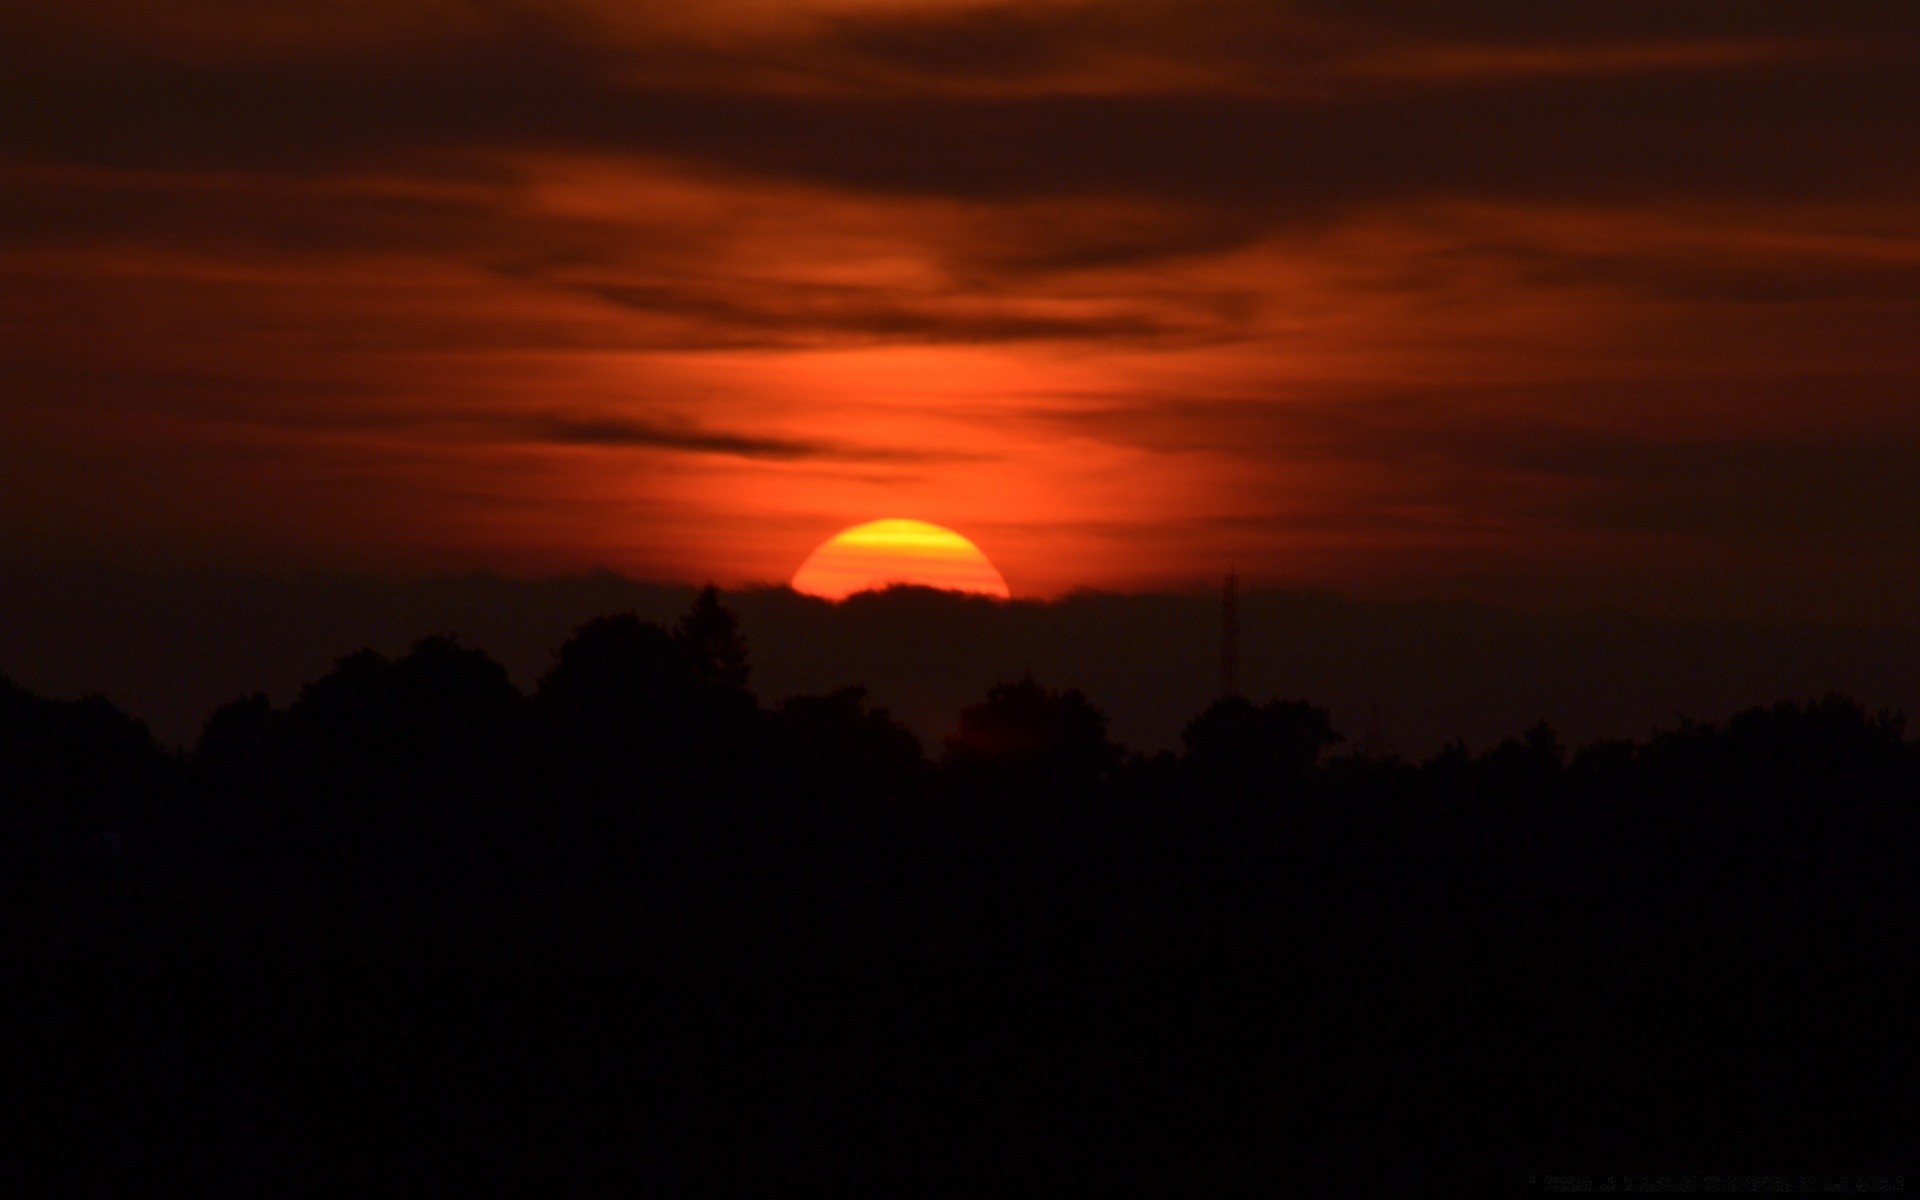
<point x="879" y="554"/>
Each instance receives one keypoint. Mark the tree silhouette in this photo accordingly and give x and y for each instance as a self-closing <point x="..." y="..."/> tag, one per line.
<point x="840" y="744"/>
<point x="75" y="778"/>
<point x="621" y="669"/>
<point x="1039" y="737"/>
<point x="387" y="769"/>
<point x="711" y="634"/>
<point x="651" y="746"/>
<point x="1528" y="766"/>
<point x="1241" y="748"/>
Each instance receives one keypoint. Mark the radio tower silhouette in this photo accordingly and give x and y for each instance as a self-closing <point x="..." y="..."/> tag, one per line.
<point x="1230" y="637"/>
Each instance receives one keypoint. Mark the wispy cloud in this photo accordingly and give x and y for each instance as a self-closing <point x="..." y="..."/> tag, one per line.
<point x="618" y="433"/>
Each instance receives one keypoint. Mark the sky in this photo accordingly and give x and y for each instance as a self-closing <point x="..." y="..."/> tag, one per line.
<point x="1534" y="304"/>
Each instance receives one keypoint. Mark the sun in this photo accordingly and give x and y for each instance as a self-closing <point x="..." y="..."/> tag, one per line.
<point x="881" y="553"/>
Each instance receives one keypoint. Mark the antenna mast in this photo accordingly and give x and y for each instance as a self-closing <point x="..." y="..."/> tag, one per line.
<point x="1230" y="636"/>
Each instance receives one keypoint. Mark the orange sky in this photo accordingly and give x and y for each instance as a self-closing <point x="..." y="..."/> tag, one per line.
<point x="1543" y="307"/>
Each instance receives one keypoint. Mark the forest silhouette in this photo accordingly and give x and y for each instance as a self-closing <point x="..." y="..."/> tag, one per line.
<point x="418" y="928"/>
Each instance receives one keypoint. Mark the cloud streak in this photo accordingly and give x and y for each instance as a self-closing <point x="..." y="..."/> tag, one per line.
<point x="617" y="433"/>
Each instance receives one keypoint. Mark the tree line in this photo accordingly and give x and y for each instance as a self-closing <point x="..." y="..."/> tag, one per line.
<point x="1270" y="953"/>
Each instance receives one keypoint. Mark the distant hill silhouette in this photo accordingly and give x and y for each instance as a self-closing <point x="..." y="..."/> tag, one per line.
<point x="174" y="646"/>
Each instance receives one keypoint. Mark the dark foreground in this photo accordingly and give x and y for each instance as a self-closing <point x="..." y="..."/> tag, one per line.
<point x="418" y="930"/>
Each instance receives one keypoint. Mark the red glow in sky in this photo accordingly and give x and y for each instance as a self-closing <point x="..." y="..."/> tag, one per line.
<point x="1519" y="303"/>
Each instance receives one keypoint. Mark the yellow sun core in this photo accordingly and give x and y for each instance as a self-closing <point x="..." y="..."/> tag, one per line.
<point x="883" y="553"/>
